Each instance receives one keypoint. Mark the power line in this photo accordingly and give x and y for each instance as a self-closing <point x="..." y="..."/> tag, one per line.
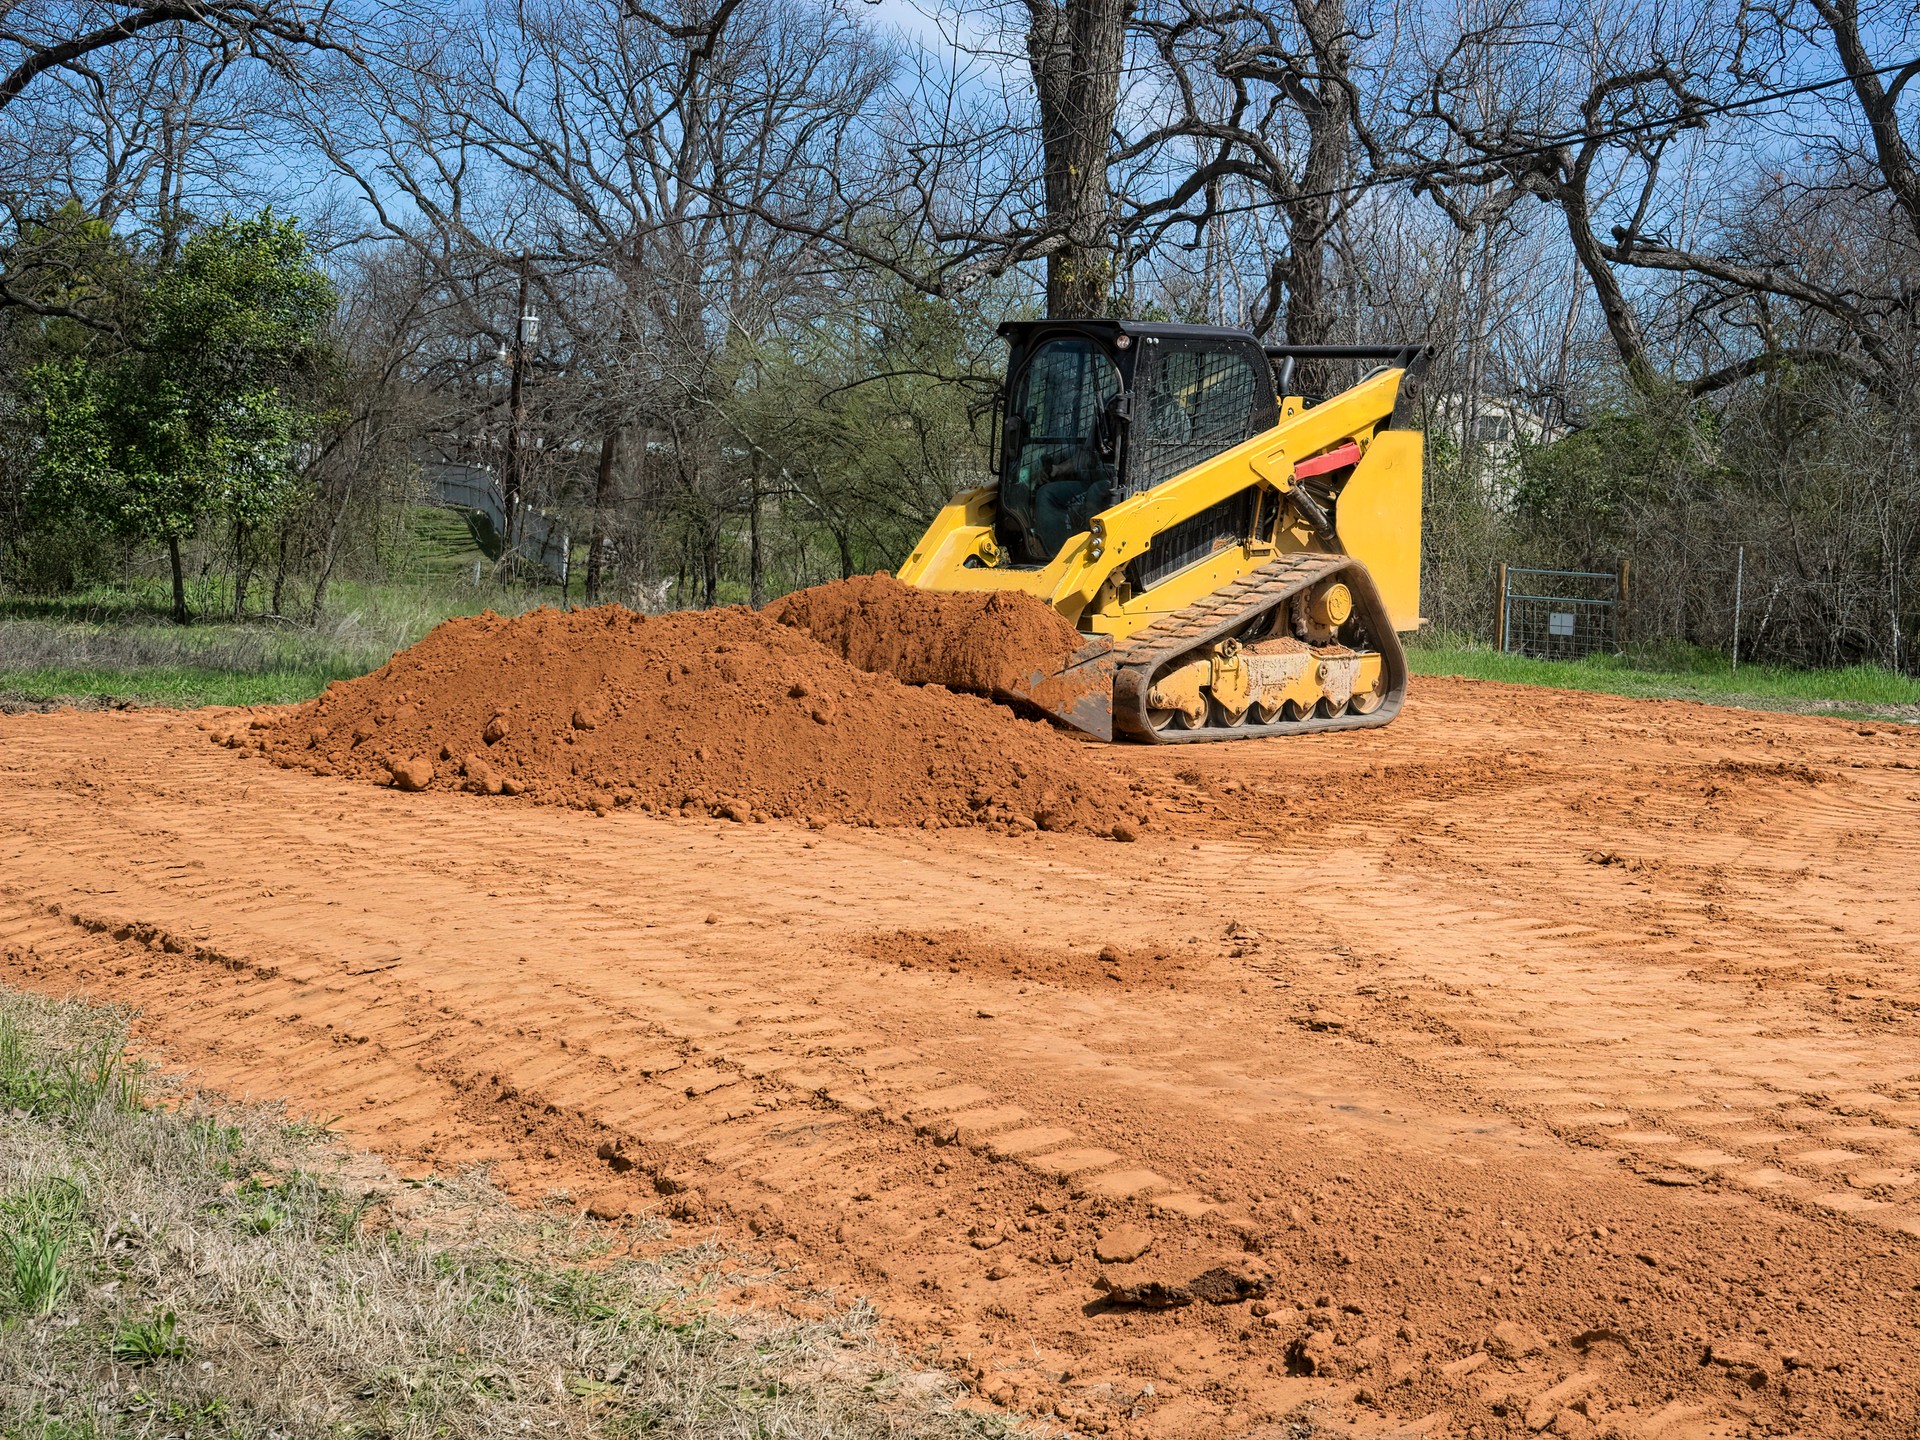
<point x="1540" y="147"/>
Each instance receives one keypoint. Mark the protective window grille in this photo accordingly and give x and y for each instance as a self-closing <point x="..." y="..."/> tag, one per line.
<point x="1066" y="386"/>
<point x="1193" y="540"/>
<point x="1057" y="440"/>
<point x="1560" y="614"/>
<point x="1191" y="405"/>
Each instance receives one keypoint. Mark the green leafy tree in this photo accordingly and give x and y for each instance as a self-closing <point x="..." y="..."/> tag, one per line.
<point x="71" y="288"/>
<point x="863" y="430"/>
<point x="71" y="285"/>
<point x="204" y="410"/>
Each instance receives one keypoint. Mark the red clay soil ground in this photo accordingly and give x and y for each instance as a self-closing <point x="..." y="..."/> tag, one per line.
<point x="1541" y="1063"/>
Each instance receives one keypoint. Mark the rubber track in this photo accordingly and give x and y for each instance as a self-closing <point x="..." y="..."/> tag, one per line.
<point x="1227" y="610"/>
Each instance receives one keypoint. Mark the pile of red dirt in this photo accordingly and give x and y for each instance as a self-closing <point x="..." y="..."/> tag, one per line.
<point x="986" y="643"/>
<point x="723" y="712"/>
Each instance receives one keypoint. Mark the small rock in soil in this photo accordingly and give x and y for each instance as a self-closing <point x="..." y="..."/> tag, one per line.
<point x="413" y="774"/>
<point x="1122" y="1244"/>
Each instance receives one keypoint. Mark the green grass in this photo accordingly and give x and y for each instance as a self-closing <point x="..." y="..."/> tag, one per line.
<point x="148" y="1340"/>
<point x="1683" y="673"/>
<point x="180" y="687"/>
<point x="446" y="543"/>
<point x="117" y="644"/>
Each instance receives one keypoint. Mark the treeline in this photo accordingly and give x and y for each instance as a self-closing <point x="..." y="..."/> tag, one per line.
<point x="1667" y="257"/>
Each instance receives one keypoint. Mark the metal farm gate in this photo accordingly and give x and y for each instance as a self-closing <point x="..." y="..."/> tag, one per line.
<point x="1560" y="614"/>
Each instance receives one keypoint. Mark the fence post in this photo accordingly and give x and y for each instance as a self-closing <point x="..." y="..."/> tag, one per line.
<point x="1500" y="609"/>
<point x="1739" y="576"/>
<point x="1620" y="605"/>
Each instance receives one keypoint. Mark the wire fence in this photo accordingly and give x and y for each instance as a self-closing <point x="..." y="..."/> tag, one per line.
<point x="1561" y="614"/>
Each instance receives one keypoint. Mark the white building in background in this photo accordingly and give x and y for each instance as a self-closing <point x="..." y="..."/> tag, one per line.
<point x="1494" y="430"/>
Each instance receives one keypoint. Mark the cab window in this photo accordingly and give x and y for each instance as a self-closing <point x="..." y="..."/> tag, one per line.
<point x="1062" y="447"/>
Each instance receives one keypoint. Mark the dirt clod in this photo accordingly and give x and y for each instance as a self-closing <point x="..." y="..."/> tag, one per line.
<point x="608" y="1205"/>
<point x="1509" y="1341"/>
<point x="1143" y="1294"/>
<point x="1122" y="1244"/>
<point x="1744" y="1361"/>
<point x="1230" y="1283"/>
<point x="413" y="773"/>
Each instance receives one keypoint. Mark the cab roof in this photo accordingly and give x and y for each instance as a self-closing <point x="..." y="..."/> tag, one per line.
<point x="1400" y="353"/>
<point x="1021" y="330"/>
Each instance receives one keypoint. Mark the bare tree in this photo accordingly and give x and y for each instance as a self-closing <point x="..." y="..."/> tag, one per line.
<point x="1659" y="123"/>
<point x="1075" y="49"/>
<point x="40" y="39"/>
<point x="633" y="156"/>
<point x="1271" y="100"/>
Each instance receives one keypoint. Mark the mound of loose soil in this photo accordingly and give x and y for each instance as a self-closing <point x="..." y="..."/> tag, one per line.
<point x="983" y="643"/>
<point x="719" y="712"/>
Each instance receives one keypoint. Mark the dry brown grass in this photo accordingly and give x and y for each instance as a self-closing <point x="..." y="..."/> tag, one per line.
<point x="171" y="1266"/>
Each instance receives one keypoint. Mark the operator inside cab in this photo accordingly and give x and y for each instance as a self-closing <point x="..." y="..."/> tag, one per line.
<point x="1062" y="447"/>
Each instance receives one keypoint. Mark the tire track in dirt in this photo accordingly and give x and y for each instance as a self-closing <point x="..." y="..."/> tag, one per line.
<point x="1675" y="1126"/>
<point x="1415" y="1033"/>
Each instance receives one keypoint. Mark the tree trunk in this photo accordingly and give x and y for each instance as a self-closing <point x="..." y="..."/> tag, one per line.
<point x="756" y="562"/>
<point x="325" y="577"/>
<point x="1897" y="165"/>
<point x="1622" y="324"/>
<point x="242" y="572"/>
<point x="510" y="485"/>
<point x="180" y="616"/>
<point x="841" y="539"/>
<point x="1326" y="104"/>
<point x="603" y="503"/>
<point x="280" y="572"/>
<point x="1074" y="50"/>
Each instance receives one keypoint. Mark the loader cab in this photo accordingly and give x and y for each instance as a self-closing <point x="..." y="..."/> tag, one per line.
<point x="1097" y="411"/>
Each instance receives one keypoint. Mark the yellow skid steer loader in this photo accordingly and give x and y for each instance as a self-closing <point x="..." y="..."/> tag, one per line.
<point x="1238" y="560"/>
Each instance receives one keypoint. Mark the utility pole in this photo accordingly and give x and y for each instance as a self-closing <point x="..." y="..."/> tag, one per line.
<point x="526" y="331"/>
